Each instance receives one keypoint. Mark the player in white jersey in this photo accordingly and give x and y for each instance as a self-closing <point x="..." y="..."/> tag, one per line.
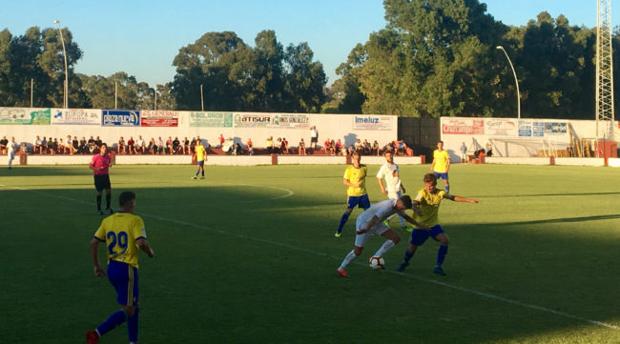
<point x="370" y="223"/>
<point x="393" y="187"/>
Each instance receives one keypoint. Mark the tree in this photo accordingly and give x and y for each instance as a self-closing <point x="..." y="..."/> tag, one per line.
<point x="304" y="81"/>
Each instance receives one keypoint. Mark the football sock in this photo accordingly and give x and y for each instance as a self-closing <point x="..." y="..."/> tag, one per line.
<point x="348" y="259"/>
<point x="98" y="202"/>
<point x="441" y="254"/>
<point x="203" y="173"/>
<point x="132" y="326"/>
<point x="387" y="245"/>
<point x="343" y="220"/>
<point x="108" y="199"/>
<point x="113" y="320"/>
<point x="408" y="256"/>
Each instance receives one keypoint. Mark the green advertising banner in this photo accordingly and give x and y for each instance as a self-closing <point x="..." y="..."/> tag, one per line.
<point x="41" y="117"/>
<point x="25" y="116"/>
<point x="211" y="119"/>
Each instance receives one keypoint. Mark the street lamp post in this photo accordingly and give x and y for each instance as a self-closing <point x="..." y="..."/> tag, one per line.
<point x="499" y="47"/>
<point x="64" y="53"/>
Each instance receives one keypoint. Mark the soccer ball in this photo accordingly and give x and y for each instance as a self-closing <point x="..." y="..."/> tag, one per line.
<point x="376" y="263"/>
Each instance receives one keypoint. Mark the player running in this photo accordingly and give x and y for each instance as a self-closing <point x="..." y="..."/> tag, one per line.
<point x="201" y="157"/>
<point x="370" y="222"/>
<point x="393" y="187"/>
<point x="100" y="164"/>
<point x="427" y="205"/>
<point x="355" y="181"/>
<point x="441" y="164"/>
<point x="123" y="234"/>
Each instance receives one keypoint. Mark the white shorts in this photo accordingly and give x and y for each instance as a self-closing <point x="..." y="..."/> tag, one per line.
<point x="378" y="229"/>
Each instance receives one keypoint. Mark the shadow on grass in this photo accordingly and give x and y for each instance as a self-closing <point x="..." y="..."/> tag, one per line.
<point x="251" y="268"/>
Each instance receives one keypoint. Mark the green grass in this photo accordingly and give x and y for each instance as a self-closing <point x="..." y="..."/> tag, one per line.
<point x="238" y="262"/>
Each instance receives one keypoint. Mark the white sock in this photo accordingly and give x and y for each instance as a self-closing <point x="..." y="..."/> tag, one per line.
<point x="348" y="259"/>
<point x="387" y="245"/>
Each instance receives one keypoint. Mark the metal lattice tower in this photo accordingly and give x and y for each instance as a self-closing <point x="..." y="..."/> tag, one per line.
<point x="604" y="72"/>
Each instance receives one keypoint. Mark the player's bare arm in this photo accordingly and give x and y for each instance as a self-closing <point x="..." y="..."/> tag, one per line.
<point x="94" y="248"/>
<point x="462" y="199"/>
<point x="409" y="219"/>
<point x="144" y="245"/>
<point x="380" y="181"/>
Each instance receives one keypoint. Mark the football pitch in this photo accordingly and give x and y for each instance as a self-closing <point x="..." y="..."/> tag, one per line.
<point x="249" y="256"/>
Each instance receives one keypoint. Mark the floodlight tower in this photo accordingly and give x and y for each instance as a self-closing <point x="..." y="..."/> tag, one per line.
<point x="604" y="73"/>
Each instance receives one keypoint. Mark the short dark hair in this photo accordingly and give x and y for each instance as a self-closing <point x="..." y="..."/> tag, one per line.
<point x="388" y="151"/>
<point x="126" y="197"/>
<point x="430" y="177"/>
<point x="440" y="141"/>
<point x="406" y="201"/>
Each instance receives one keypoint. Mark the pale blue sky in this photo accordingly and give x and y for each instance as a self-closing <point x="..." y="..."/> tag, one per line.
<point x="142" y="37"/>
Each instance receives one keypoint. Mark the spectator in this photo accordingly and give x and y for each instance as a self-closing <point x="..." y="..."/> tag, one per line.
<point x="192" y="145"/>
<point x="366" y="148"/>
<point x="121" y="146"/>
<point x="269" y="145"/>
<point x="176" y="145"/>
<point x="37" y="146"/>
<point x="375" y="148"/>
<point x="463" y="152"/>
<point x="160" y="146"/>
<point x="152" y="147"/>
<point x="53" y="146"/>
<point x="359" y="147"/>
<point x="302" y="147"/>
<point x="338" y="147"/>
<point x="75" y="144"/>
<point x="3" y="145"/>
<point x="186" y="146"/>
<point x="140" y="145"/>
<point x="314" y="137"/>
<point x="222" y="140"/>
<point x="98" y="142"/>
<point x="250" y="146"/>
<point x="83" y="146"/>
<point x="131" y="146"/>
<point x="327" y="146"/>
<point x="284" y="146"/>
<point x="489" y="149"/>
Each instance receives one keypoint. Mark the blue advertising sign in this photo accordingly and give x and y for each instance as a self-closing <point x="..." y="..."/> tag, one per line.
<point x="120" y="118"/>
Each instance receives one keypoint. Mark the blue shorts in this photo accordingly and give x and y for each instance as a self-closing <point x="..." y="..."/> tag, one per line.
<point x="124" y="279"/>
<point x="419" y="236"/>
<point x="200" y="162"/>
<point x="440" y="175"/>
<point x="360" y="201"/>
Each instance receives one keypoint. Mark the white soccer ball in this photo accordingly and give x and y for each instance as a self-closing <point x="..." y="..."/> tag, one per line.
<point x="376" y="263"/>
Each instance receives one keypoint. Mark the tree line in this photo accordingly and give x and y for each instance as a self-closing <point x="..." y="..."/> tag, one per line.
<point x="433" y="58"/>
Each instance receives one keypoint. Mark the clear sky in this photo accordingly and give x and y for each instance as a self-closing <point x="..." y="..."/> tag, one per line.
<point x="142" y="37"/>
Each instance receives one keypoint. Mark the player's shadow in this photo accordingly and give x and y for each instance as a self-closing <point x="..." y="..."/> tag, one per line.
<point x="555" y="194"/>
<point x="31" y="171"/>
<point x="560" y="220"/>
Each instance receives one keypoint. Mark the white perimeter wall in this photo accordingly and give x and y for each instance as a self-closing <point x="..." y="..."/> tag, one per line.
<point x="343" y="127"/>
<point x="510" y="137"/>
<point x="217" y="160"/>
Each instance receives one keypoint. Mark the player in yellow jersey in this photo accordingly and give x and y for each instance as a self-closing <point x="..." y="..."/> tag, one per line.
<point x="427" y="216"/>
<point x="355" y="180"/>
<point x="123" y="234"/>
<point x="201" y="157"/>
<point x="441" y="164"/>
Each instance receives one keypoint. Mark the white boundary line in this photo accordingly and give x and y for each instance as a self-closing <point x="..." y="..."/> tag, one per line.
<point x="321" y="254"/>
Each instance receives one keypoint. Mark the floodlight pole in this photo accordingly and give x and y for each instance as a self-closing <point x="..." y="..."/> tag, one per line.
<point x="64" y="53"/>
<point x="499" y="47"/>
<point x="202" y="100"/>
